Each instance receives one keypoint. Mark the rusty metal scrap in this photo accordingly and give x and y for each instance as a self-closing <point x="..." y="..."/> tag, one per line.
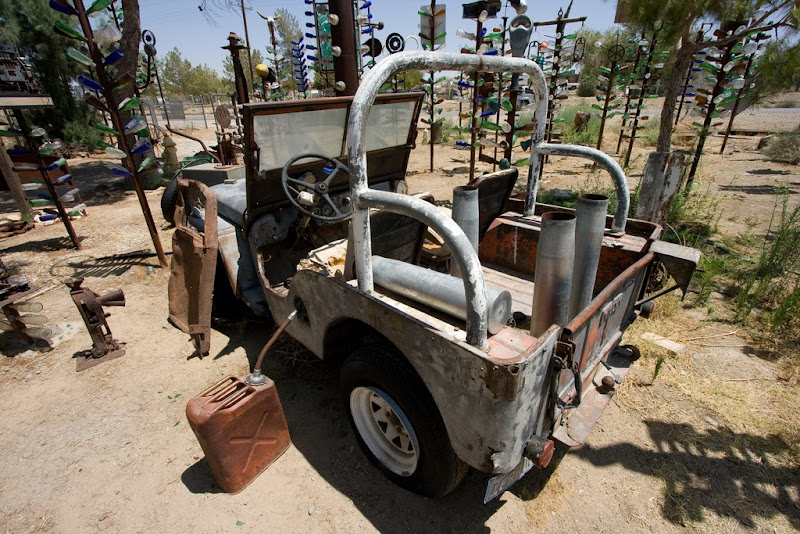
<point x="90" y="305"/>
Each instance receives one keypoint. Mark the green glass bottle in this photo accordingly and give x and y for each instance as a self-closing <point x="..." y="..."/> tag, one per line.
<point x="100" y="127"/>
<point x="129" y="104"/>
<point x="80" y="57"/>
<point x="98" y="5"/>
<point x="66" y="30"/>
<point x="146" y="163"/>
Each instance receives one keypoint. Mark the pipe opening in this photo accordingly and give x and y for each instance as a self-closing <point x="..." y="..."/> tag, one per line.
<point x="558" y="216"/>
<point x="594" y="196"/>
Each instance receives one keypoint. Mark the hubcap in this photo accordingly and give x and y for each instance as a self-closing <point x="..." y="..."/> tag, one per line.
<point x="385" y="429"/>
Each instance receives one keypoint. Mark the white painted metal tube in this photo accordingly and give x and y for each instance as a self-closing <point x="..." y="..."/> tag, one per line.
<point x="461" y="251"/>
<point x="364" y="198"/>
<point x="603" y="160"/>
<point x="438" y="290"/>
<point x="466" y="213"/>
<point x="590" y="222"/>
<point x="552" y="280"/>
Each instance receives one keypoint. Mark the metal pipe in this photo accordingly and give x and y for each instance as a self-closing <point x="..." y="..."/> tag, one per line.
<point x="438" y="290"/>
<point x="466" y="214"/>
<point x="552" y="280"/>
<point x="460" y="249"/>
<point x="364" y="198"/>
<point x="590" y="223"/>
<point x="603" y="160"/>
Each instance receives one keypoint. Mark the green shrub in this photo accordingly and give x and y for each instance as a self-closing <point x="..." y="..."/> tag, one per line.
<point x="78" y="133"/>
<point x="587" y="86"/>
<point x="784" y="147"/>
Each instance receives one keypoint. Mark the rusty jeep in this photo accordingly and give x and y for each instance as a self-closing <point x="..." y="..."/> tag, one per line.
<point x="438" y="373"/>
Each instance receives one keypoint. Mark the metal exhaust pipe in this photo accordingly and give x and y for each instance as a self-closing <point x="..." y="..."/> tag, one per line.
<point x="553" y="277"/>
<point x="590" y="222"/>
<point x="438" y="290"/>
<point x="465" y="215"/>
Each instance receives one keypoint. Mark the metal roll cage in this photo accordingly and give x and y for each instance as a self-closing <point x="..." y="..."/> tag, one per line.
<point x="461" y="250"/>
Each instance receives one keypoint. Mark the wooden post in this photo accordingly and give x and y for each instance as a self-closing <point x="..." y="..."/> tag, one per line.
<point x="14" y="185"/>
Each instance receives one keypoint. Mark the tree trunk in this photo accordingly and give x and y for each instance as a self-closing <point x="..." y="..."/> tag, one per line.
<point x="683" y="61"/>
<point x="660" y="181"/>
<point x="129" y="46"/>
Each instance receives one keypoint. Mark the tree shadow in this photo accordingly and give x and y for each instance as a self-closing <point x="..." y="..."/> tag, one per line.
<point x="721" y="471"/>
<point x="759" y="189"/>
<point x="770" y="172"/>
<point x="52" y="244"/>
<point x="88" y="266"/>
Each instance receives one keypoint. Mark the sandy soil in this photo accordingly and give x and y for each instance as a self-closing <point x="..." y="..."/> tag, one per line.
<point x="109" y="449"/>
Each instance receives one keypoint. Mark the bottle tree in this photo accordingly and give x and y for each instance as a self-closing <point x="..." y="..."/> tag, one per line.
<point x="101" y="46"/>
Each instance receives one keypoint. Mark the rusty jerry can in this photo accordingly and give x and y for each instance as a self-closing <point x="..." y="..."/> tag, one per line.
<point x="241" y="429"/>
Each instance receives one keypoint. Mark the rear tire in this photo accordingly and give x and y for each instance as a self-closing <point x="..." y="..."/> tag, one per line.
<point x="397" y="424"/>
<point x="169" y="199"/>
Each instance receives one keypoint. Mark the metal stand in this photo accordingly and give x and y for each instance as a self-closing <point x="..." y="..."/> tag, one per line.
<point x="90" y="305"/>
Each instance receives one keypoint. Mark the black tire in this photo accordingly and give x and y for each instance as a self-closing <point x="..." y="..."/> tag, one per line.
<point x="438" y="469"/>
<point x="168" y="201"/>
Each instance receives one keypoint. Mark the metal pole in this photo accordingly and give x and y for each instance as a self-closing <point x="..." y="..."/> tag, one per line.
<point x="590" y="223"/>
<point x="247" y="42"/>
<point x="203" y="109"/>
<point x="51" y="189"/>
<point x="552" y="281"/>
<point x="466" y="213"/>
<point x="474" y="123"/>
<point x="629" y="96"/>
<point x="104" y="80"/>
<point x="736" y="103"/>
<point x="605" y="104"/>
<point x="432" y="28"/>
<point x="342" y="35"/>
<point x="712" y="106"/>
<point x="639" y="105"/>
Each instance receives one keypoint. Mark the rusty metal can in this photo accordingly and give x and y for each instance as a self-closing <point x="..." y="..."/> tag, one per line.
<point x="241" y="429"/>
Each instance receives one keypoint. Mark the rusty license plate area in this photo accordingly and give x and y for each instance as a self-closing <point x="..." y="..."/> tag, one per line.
<point x="500" y="483"/>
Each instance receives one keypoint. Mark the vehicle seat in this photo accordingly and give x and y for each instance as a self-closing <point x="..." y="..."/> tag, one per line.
<point x="231" y="201"/>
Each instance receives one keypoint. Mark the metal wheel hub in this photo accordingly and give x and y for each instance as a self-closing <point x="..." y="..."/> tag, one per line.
<point x="385" y="429"/>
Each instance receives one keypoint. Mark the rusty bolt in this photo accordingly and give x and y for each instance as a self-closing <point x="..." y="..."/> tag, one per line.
<point x="607" y="384"/>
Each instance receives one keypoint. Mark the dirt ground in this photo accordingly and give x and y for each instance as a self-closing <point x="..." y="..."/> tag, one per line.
<point x="704" y="447"/>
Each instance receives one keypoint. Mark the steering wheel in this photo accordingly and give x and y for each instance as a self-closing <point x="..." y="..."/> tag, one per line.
<point x="313" y="197"/>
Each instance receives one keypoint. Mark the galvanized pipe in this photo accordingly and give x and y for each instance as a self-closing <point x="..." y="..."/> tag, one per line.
<point x="438" y="290"/>
<point x="364" y="198"/>
<point x="461" y="252"/>
<point x="466" y="214"/>
<point x="553" y="277"/>
<point x="590" y="223"/>
<point x="603" y="160"/>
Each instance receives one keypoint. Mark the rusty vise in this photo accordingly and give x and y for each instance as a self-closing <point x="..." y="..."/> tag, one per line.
<point x="90" y="304"/>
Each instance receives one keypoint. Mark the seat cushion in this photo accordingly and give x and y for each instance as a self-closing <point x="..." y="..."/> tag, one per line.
<point x="231" y="201"/>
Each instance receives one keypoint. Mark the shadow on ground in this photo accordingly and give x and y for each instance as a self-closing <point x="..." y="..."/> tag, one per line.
<point x="719" y="470"/>
<point x="759" y="189"/>
<point x="87" y="266"/>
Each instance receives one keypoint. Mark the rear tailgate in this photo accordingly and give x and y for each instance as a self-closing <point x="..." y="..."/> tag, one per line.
<point x="592" y="335"/>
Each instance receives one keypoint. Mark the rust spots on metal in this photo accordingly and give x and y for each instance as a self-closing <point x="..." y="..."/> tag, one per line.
<point x="90" y="305"/>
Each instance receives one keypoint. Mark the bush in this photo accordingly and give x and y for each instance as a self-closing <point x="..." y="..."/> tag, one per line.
<point x="784" y="147"/>
<point x="587" y="86"/>
<point x="78" y="133"/>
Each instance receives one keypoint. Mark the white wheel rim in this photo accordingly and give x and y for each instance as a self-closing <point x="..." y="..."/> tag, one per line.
<point x="385" y="429"/>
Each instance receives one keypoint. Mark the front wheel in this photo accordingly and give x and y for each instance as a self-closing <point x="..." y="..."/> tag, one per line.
<point x="397" y="423"/>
